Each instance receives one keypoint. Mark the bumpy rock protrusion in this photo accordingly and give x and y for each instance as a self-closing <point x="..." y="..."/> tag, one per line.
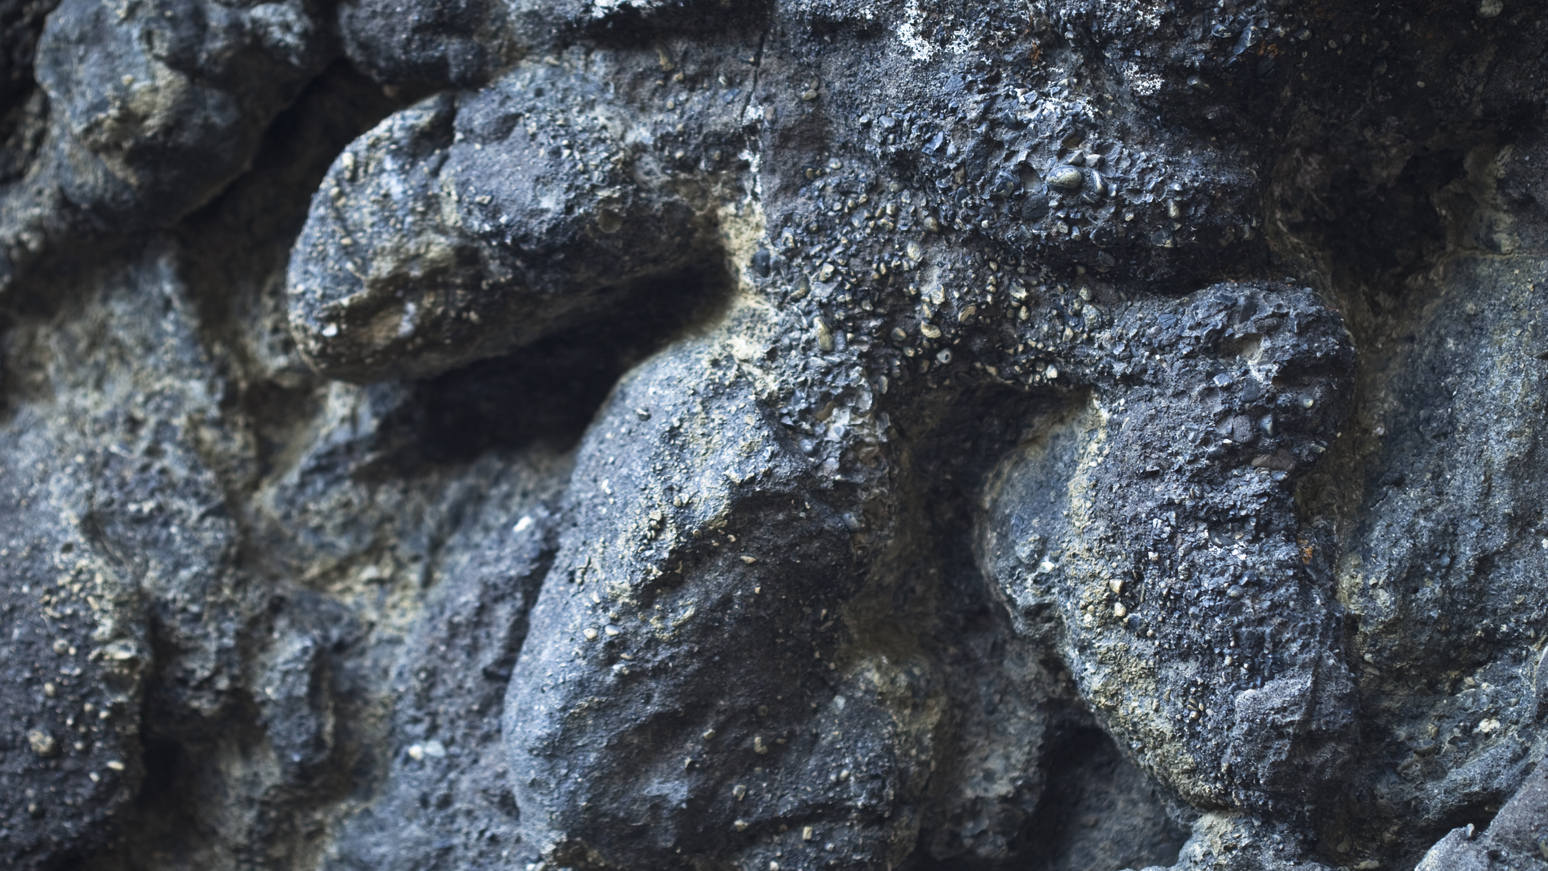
<point x="74" y="656"/>
<point x="1237" y="842"/>
<point x="690" y="691"/>
<point x="153" y="108"/>
<point x="473" y="224"/>
<point x="427" y="43"/>
<point x="1157" y="517"/>
<point x="1517" y="838"/>
<point x="110" y="525"/>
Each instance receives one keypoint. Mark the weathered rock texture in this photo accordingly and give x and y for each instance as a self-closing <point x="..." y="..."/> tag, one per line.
<point x="653" y="434"/>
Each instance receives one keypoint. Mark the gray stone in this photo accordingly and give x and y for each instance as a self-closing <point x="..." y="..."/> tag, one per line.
<point x="1069" y="435"/>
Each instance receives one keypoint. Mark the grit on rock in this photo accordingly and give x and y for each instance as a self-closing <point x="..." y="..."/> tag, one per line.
<point x="1068" y="435"/>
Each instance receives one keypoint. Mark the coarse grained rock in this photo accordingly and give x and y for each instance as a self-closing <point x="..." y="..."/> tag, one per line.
<point x="1130" y="517"/>
<point x="813" y="434"/>
<point x="705" y="567"/>
<point x="1516" y="835"/>
<point x="152" y="109"/>
<point x="430" y="45"/>
<point x="510" y="243"/>
<point x="113" y="524"/>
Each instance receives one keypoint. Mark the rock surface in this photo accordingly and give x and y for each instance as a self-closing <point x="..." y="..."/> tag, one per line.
<point x="648" y="434"/>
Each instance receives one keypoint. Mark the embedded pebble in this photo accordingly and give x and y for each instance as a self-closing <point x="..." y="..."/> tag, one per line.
<point x="1065" y="178"/>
